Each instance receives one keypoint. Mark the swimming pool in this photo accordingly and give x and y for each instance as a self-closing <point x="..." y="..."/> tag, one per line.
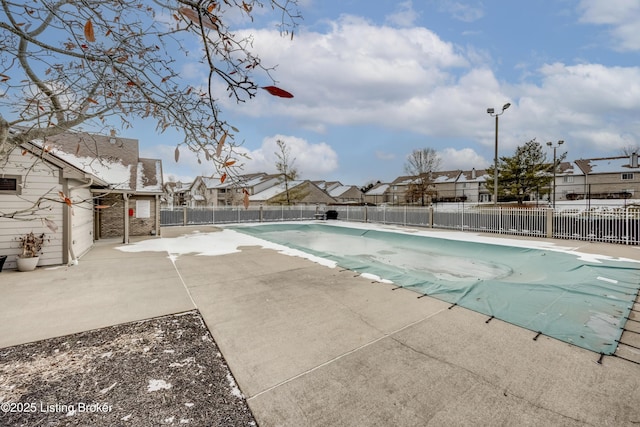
<point x="580" y="299"/>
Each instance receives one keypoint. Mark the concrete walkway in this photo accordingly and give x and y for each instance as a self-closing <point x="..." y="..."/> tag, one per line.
<point x="314" y="346"/>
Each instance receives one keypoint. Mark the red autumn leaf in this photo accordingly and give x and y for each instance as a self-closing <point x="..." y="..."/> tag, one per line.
<point x="92" y="100"/>
<point x="223" y="178"/>
<point x="229" y="163"/>
<point x="88" y="31"/>
<point x="276" y="91"/>
<point x="131" y="84"/>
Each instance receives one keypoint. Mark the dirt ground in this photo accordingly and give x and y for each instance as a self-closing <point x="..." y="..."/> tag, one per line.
<point x="163" y="371"/>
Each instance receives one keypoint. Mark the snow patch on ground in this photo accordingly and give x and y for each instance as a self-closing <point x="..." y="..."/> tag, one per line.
<point x="156" y="385"/>
<point x="213" y="244"/>
<point x="234" y="387"/>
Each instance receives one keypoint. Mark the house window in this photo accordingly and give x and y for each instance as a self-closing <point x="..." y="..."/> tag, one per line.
<point x="627" y="176"/>
<point x="10" y="184"/>
<point x="567" y="179"/>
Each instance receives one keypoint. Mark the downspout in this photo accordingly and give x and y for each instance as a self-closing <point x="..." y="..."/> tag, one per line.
<point x="69" y="229"/>
<point x="157" y="225"/>
<point x="125" y="197"/>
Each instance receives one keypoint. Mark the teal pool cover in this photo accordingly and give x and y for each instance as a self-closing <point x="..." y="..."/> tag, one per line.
<point x="585" y="302"/>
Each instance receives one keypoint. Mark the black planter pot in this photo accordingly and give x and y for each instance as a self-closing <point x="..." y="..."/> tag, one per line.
<point x="3" y="258"/>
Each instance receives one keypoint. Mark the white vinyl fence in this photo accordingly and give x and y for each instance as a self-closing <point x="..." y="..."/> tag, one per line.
<point x="619" y="225"/>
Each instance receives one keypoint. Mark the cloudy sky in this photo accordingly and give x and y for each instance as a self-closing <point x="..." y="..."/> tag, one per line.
<point x="374" y="80"/>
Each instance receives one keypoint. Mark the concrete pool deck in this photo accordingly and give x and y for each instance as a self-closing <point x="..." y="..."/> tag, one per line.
<point x="309" y="345"/>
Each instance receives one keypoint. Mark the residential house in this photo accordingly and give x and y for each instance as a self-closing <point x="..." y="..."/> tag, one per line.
<point x="608" y="178"/>
<point x="61" y="187"/>
<point x="378" y="194"/>
<point x="176" y="193"/>
<point x="470" y="186"/>
<point x="398" y="191"/>
<point x="130" y="203"/>
<point x="33" y="188"/>
<point x="444" y="184"/>
<point x="300" y="193"/>
<point x="200" y="194"/>
<point x="231" y="192"/>
<point x="569" y="182"/>
<point x="346" y="194"/>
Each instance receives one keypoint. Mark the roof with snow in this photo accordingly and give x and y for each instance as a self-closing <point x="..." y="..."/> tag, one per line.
<point x="445" y="176"/>
<point x="479" y="175"/>
<point x="273" y="191"/>
<point x="338" y="191"/>
<point x="618" y="164"/>
<point x="114" y="160"/>
<point x="378" y="190"/>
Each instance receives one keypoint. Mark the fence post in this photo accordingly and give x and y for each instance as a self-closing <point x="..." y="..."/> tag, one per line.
<point x="626" y="227"/>
<point x="430" y="216"/>
<point x="366" y="213"/>
<point x="260" y="216"/>
<point x="184" y="215"/>
<point x="549" y="212"/>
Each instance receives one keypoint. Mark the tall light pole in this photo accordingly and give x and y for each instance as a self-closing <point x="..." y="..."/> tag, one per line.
<point x="555" y="147"/>
<point x="492" y="113"/>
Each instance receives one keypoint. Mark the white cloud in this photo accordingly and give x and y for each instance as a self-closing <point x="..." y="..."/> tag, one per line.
<point x="623" y="16"/>
<point x="408" y="79"/>
<point x="359" y="73"/>
<point x="462" y="11"/>
<point x="463" y="159"/>
<point x="405" y="15"/>
<point x="313" y="161"/>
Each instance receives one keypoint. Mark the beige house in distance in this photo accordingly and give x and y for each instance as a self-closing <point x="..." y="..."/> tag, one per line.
<point x="609" y="178"/>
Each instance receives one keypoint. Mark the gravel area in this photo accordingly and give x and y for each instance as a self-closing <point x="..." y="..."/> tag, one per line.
<point x="163" y="371"/>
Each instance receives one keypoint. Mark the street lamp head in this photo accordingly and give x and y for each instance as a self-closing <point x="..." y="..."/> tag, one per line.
<point x="560" y="142"/>
<point x="505" y="106"/>
<point x="549" y="143"/>
<point x="490" y="110"/>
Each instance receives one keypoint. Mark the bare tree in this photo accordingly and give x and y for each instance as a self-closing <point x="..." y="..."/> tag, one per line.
<point x="630" y="149"/>
<point x="421" y="164"/>
<point x="285" y="166"/>
<point x="64" y="63"/>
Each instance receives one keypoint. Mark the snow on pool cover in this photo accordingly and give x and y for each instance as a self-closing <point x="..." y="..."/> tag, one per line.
<point x="580" y="300"/>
